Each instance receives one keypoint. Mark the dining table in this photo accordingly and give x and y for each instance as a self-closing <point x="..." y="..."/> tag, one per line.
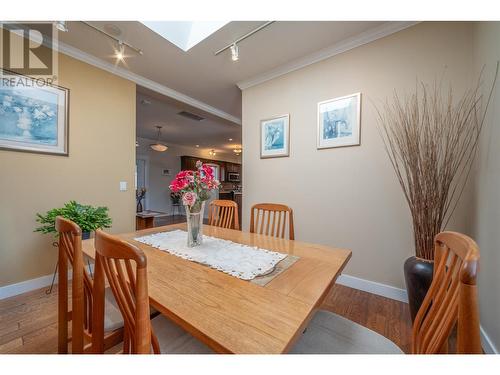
<point x="232" y="315"/>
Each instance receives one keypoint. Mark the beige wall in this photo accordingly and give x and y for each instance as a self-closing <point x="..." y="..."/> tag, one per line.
<point x="101" y="153"/>
<point x="487" y="204"/>
<point x="349" y="197"/>
<point x="158" y="195"/>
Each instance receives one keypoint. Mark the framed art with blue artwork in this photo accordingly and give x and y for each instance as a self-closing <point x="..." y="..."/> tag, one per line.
<point x="339" y="122"/>
<point x="275" y="137"/>
<point x="33" y="115"/>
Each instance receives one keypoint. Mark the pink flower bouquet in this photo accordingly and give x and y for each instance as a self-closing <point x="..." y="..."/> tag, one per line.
<point x="195" y="186"/>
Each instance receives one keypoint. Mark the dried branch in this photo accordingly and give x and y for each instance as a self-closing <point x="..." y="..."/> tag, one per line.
<point x="431" y="141"/>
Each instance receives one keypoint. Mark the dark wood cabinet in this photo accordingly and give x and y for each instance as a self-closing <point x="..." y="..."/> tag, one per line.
<point x="189" y="163"/>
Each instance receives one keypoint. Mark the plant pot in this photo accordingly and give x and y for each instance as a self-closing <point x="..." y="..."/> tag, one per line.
<point x="418" y="277"/>
<point x="194" y="217"/>
<point x="85" y="235"/>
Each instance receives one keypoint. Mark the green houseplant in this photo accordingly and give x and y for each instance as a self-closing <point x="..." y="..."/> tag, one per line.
<point x="89" y="218"/>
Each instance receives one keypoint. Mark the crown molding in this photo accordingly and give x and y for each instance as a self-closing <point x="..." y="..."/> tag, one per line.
<point x="368" y="36"/>
<point x="145" y="82"/>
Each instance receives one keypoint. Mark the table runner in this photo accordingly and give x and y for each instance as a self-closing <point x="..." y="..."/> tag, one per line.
<point x="238" y="260"/>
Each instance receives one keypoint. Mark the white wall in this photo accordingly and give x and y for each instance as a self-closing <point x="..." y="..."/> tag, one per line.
<point x="158" y="194"/>
<point x="349" y="197"/>
<point x="486" y="214"/>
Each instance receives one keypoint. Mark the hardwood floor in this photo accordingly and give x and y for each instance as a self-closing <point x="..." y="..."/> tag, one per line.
<point x="28" y="322"/>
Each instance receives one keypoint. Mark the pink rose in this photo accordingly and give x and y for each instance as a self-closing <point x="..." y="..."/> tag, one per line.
<point x="178" y="185"/>
<point x="189" y="199"/>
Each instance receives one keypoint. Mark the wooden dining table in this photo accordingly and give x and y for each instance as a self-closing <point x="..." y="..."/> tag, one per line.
<point x="232" y="315"/>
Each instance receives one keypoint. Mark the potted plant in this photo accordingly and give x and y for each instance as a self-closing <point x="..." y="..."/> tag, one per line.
<point x="87" y="217"/>
<point x="431" y="139"/>
<point x="194" y="188"/>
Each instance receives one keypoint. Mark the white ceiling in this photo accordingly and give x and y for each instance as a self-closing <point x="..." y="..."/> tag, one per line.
<point x="205" y="81"/>
<point x="209" y="133"/>
<point x="200" y="74"/>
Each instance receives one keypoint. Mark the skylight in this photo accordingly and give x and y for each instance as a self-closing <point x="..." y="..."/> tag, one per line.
<point x="184" y="34"/>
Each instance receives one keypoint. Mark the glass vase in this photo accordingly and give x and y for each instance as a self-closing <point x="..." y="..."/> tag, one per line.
<point x="194" y="216"/>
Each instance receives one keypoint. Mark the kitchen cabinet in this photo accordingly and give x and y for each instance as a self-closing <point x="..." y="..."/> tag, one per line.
<point x="189" y="163"/>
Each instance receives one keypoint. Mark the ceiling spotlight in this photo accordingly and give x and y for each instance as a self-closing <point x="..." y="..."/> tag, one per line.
<point x="160" y="147"/>
<point x="61" y="26"/>
<point x="230" y="139"/>
<point x="237" y="151"/>
<point x="212" y="153"/>
<point x="235" y="52"/>
<point x="197" y="146"/>
<point x="120" y="53"/>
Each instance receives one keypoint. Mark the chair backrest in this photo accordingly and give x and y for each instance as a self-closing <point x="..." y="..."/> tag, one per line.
<point x="70" y="254"/>
<point x="451" y="299"/>
<point x="224" y="214"/>
<point x="271" y="219"/>
<point x="125" y="268"/>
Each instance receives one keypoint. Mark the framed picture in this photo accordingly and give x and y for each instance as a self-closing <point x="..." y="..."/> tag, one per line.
<point x="275" y="137"/>
<point x="339" y="122"/>
<point x="33" y="115"/>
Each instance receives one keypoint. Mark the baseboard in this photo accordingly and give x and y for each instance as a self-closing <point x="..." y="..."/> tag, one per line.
<point x="488" y="346"/>
<point x="373" y="287"/>
<point x="33" y="284"/>
<point x="25" y="286"/>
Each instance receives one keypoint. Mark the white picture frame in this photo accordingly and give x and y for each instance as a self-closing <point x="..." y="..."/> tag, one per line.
<point x="339" y="122"/>
<point x="34" y="118"/>
<point x="275" y="137"/>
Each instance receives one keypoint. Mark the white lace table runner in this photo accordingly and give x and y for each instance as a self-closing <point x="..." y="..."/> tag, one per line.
<point x="242" y="261"/>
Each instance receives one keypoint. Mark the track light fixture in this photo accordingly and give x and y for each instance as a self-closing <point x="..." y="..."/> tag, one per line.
<point x="120" y="52"/>
<point x="235" y="52"/>
<point x="234" y="45"/>
<point x="61" y="26"/>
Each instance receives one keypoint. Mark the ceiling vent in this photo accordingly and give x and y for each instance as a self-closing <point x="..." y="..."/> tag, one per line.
<point x="191" y="116"/>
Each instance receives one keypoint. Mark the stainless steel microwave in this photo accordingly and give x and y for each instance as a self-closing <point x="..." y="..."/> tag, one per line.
<point x="233" y="176"/>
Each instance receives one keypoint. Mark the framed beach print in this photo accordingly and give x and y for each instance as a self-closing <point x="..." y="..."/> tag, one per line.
<point x="339" y="122"/>
<point x="275" y="137"/>
<point x="33" y="115"/>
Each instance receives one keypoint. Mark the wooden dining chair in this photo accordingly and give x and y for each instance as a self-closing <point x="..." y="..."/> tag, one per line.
<point x="271" y="219"/>
<point x="451" y="300"/>
<point x="80" y="315"/>
<point x="125" y="267"/>
<point x="223" y="213"/>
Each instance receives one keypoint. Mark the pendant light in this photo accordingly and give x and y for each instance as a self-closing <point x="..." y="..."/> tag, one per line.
<point x="160" y="147"/>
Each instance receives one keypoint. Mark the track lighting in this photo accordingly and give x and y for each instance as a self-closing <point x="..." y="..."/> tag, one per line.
<point x="235" y="52"/>
<point x="212" y="153"/>
<point x="61" y="26"/>
<point x="237" y="151"/>
<point x="120" y="53"/>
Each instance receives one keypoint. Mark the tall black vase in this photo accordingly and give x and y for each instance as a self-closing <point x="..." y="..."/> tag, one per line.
<point x="418" y="278"/>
